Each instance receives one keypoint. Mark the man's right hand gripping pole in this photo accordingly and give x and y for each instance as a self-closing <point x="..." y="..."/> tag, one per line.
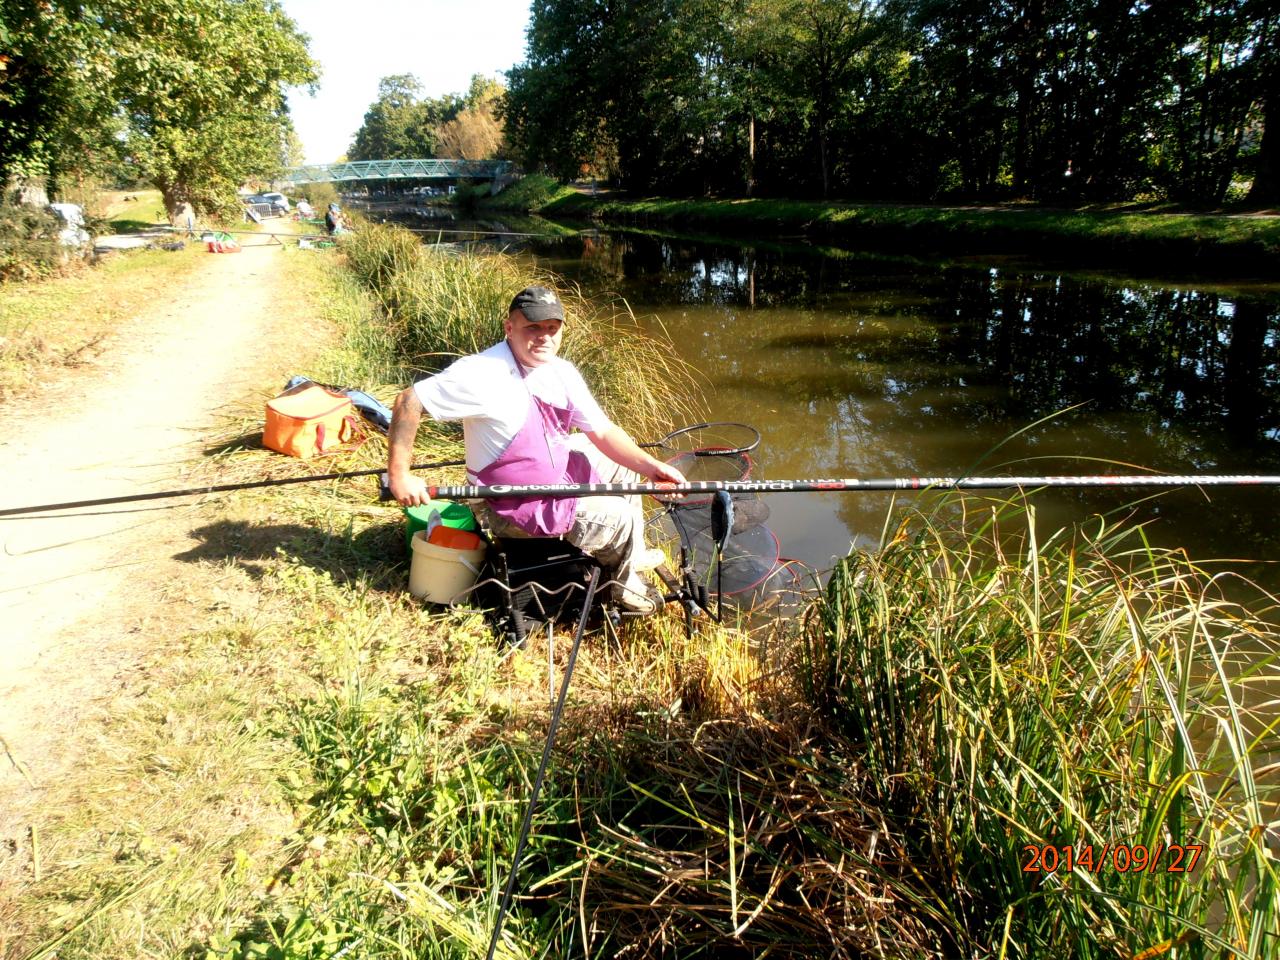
<point x="405" y="488"/>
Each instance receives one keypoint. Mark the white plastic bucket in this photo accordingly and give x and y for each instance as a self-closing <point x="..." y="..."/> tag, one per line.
<point x="438" y="574"/>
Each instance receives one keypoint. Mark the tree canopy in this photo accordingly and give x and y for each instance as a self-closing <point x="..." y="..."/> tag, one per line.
<point x="476" y="132"/>
<point x="398" y="125"/>
<point x="403" y="125"/>
<point x="908" y="99"/>
<point x="189" y="92"/>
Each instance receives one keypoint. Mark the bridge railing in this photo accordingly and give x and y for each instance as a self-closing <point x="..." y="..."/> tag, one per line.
<point x="430" y="169"/>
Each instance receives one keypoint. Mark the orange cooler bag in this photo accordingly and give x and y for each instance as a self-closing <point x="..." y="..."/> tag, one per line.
<point x="310" y="421"/>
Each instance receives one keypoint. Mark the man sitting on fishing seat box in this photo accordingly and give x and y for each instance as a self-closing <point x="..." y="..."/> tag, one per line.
<point x="518" y="402"/>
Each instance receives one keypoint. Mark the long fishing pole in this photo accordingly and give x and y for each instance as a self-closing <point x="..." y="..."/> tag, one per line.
<point x="266" y="233"/>
<point x="215" y="488"/>
<point x="729" y="438"/>
<point x="469" y="492"/>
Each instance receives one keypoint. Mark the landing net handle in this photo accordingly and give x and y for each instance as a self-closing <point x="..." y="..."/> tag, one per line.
<point x="719" y="438"/>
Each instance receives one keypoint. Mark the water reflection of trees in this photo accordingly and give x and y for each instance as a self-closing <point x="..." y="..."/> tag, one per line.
<point x="1025" y="344"/>
<point x="1198" y="359"/>
<point x="887" y="368"/>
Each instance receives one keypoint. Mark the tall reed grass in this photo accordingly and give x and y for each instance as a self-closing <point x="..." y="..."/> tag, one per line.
<point x="1086" y="691"/>
<point x="437" y="304"/>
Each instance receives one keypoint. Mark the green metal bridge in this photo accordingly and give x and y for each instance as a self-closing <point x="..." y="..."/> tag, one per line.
<point x="495" y="170"/>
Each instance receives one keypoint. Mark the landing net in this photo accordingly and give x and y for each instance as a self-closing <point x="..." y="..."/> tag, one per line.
<point x="748" y="569"/>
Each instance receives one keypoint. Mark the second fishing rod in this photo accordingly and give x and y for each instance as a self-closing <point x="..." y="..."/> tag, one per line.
<point x="716" y="439"/>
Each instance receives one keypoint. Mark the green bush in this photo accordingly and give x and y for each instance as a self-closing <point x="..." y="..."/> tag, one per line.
<point x="319" y="195"/>
<point x="29" y="245"/>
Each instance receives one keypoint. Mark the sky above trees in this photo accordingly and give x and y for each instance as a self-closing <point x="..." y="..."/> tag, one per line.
<point x="441" y="43"/>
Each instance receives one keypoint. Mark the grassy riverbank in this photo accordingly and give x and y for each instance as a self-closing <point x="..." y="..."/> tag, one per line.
<point x="1201" y="243"/>
<point x="50" y="325"/>
<point x="324" y="767"/>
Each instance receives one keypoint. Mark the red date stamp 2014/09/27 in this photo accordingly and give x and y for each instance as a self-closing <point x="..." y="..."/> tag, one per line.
<point x="1121" y="857"/>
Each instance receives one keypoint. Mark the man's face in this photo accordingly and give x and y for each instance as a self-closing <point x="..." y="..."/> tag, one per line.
<point x="533" y="342"/>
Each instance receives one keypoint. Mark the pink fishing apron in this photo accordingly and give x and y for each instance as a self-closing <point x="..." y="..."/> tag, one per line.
<point x="539" y="453"/>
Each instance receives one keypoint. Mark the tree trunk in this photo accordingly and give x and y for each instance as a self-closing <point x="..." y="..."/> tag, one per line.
<point x="822" y="155"/>
<point x="172" y="203"/>
<point x="27" y="190"/>
<point x="1265" y="191"/>
<point x="1027" y="65"/>
<point x="1244" y="383"/>
<point x="177" y="206"/>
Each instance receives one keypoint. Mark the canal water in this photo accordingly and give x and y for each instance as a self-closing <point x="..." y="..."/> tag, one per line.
<point x="854" y="364"/>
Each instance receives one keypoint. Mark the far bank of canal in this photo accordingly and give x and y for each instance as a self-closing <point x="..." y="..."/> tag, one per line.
<point x="1205" y="243"/>
<point x="862" y="364"/>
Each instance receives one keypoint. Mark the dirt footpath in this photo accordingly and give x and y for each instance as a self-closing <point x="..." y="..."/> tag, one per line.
<point x="80" y="593"/>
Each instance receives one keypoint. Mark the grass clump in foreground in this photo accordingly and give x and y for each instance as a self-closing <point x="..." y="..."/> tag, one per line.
<point x="1087" y="691"/>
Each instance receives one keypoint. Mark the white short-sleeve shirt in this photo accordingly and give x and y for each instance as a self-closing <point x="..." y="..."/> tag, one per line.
<point x="487" y="393"/>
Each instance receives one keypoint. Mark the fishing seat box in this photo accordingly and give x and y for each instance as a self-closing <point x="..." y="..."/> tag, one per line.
<point x="309" y="420"/>
<point x="530" y="581"/>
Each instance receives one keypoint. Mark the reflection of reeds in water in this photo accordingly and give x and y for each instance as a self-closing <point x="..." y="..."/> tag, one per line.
<point x="1086" y="692"/>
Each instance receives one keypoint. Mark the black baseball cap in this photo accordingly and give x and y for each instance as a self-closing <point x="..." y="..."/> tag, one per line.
<point x="537" y="304"/>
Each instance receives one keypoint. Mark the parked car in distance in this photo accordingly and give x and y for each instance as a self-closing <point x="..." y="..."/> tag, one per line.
<point x="264" y="206"/>
<point x="279" y="199"/>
